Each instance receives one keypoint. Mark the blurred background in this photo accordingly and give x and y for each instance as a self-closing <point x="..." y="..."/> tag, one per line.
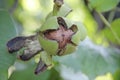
<point x="97" y="57"/>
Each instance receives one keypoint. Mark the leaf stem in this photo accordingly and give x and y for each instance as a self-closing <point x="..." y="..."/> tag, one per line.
<point x="109" y="26"/>
<point x="57" y="6"/>
<point x="55" y="10"/>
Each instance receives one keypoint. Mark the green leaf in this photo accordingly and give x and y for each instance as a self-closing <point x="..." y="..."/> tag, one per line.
<point x="103" y="5"/>
<point x="7" y="31"/>
<point x="115" y="25"/>
<point x="92" y="60"/>
<point x="63" y="12"/>
<point x="117" y="75"/>
<point x="6" y="4"/>
<point x="25" y="71"/>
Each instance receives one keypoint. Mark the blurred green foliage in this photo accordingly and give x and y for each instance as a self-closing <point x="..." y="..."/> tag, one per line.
<point x="115" y="27"/>
<point x="96" y="56"/>
<point x="103" y="5"/>
<point x="27" y="73"/>
<point x="7" y="31"/>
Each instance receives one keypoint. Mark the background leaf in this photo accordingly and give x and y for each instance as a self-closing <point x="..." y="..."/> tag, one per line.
<point x="25" y="71"/>
<point x="92" y="60"/>
<point x="103" y="5"/>
<point x="7" y="31"/>
<point x="117" y="75"/>
<point x="6" y="4"/>
<point x="115" y="25"/>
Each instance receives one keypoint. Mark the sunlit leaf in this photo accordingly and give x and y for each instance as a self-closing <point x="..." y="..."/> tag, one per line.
<point x="103" y="5"/>
<point x="107" y="76"/>
<point x="7" y="31"/>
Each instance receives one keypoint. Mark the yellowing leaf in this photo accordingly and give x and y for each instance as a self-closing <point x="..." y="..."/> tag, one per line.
<point x="108" y="76"/>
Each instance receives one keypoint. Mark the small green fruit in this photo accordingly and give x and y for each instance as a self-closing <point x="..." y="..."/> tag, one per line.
<point x="59" y="36"/>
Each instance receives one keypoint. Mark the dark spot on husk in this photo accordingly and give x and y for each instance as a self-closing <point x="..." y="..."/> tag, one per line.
<point x="17" y="43"/>
<point x="40" y="67"/>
